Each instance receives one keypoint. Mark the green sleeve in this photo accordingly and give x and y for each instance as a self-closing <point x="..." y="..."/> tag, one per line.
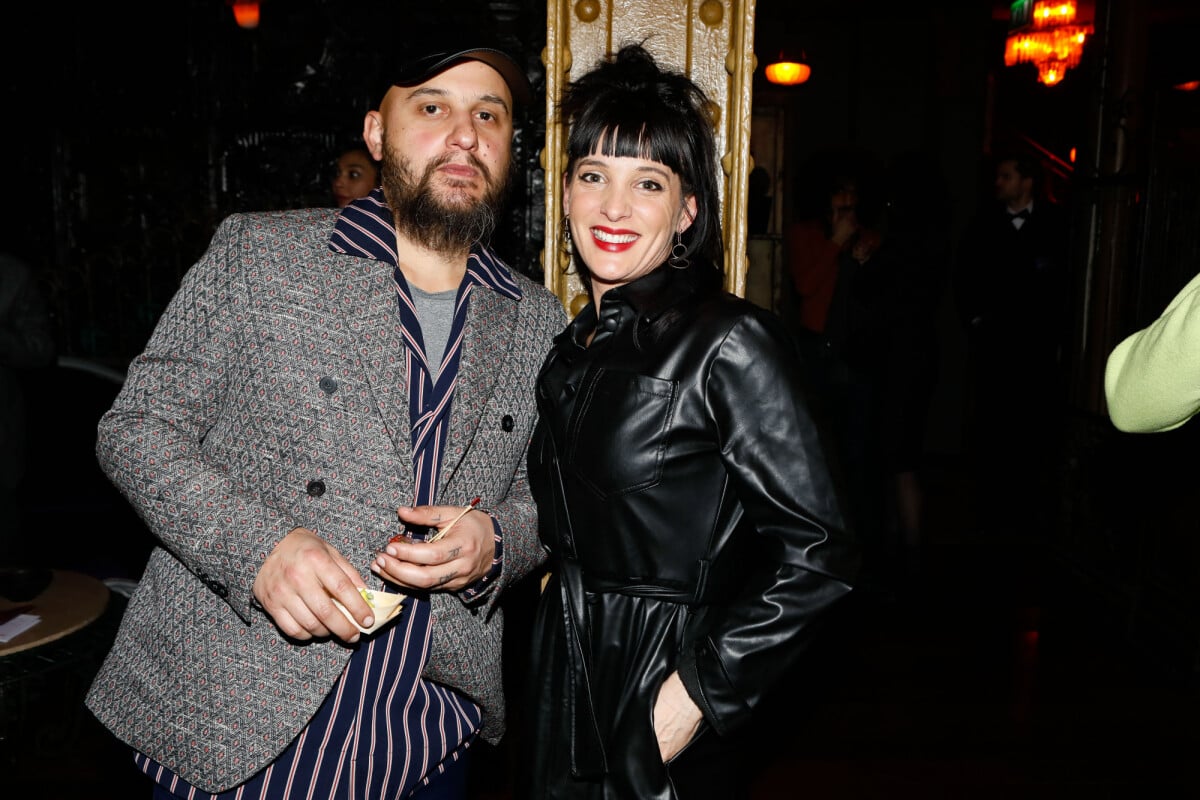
<point x="1152" y="378"/>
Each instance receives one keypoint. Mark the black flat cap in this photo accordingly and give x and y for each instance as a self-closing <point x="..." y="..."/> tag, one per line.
<point x="422" y="63"/>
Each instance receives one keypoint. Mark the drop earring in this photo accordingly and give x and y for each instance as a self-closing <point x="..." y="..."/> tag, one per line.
<point x="678" y="258"/>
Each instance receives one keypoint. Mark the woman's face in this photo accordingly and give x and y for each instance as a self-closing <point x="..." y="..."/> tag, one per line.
<point x="354" y="176"/>
<point x="624" y="214"/>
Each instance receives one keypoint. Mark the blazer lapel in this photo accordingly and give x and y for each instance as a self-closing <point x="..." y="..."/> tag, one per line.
<point x="369" y="303"/>
<point x="487" y="340"/>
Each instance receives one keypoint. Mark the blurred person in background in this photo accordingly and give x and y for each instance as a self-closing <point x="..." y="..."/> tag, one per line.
<point x="355" y="174"/>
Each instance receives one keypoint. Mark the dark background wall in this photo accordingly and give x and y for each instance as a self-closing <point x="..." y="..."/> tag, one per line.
<point x="894" y="80"/>
<point x="133" y="128"/>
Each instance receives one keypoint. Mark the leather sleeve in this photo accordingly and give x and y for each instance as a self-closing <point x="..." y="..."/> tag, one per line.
<point x="804" y="558"/>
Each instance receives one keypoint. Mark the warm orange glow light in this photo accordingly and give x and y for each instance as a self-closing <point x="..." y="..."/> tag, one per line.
<point x="245" y="13"/>
<point x="788" y="73"/>
<point x="1071" y="156"/>
<point x="1053" y="42"/>
<point x="1188" y="86"/>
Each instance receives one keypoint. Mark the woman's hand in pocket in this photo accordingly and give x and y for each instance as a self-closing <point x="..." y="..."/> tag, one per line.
<point x="676" y="717"/>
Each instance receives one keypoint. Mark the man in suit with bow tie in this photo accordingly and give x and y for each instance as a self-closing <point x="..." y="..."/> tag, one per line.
<point x="1010" y="286"/>
<point x="326" y="390"/>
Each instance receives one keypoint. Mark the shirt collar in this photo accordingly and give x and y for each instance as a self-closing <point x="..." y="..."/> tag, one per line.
<point x="647" y="298"/>
<point x="653" y="294"/>
<point x="365" y="229"/>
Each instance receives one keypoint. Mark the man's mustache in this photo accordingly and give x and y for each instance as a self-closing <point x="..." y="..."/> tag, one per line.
<point x="472" y="160"/>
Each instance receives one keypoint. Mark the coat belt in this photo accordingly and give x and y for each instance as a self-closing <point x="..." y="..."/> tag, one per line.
<point x="639" y="588"/>
<point x="588" y="759"/>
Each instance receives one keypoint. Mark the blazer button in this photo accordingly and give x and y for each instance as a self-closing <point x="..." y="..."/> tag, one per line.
<point x="328" y="385"/>
<point x="315" y="488"/>
<point x="219" y="590"/>
<point x="507" y="423"/>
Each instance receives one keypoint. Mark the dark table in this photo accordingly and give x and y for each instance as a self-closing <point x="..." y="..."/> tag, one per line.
<point x="45" y="672"/>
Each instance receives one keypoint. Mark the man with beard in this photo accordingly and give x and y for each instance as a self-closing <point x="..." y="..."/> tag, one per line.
<point x="336" y="405"/>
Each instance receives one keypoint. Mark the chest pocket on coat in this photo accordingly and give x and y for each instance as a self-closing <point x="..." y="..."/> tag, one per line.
<point x="620" y="432"/>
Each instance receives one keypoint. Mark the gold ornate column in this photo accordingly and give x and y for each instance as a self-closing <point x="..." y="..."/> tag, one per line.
<point x="712" y="41"/>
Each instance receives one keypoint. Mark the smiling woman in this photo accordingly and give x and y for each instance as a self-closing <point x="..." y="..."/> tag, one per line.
<point x="626" y="213"/>
<point x="652" y="162"/>
<point x="693" y="545"/>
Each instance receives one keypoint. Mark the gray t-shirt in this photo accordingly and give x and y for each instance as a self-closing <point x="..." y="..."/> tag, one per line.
<point x="435" y="312"/>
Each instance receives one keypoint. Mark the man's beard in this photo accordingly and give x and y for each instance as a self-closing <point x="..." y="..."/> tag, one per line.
<point x="425" y="219"/>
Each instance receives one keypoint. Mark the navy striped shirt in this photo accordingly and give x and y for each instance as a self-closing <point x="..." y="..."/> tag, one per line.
<point x="383" y="729"/>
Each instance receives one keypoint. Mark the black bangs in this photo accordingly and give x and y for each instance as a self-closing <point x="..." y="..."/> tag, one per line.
<point x="624" y="128"/>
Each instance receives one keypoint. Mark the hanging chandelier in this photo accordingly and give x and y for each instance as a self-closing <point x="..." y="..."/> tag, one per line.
<point x="1046" y="34"/>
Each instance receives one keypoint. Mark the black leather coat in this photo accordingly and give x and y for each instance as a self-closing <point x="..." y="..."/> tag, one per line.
<point x="685" y="498"/>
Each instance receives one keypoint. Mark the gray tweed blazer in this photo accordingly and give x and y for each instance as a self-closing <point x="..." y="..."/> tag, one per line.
<point x="222" y="423"/>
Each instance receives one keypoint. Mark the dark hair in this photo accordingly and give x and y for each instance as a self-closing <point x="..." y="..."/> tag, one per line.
<point x="629" y="107"/>
<point x="352" y="147"/>
<point x="1027" y="166"/>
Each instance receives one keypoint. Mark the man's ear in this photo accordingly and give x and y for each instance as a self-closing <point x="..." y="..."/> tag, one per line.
<point x="373" y="134"/>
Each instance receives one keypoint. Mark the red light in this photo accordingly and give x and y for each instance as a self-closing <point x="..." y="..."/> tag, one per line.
<point x="245" y="13"/>
<point x="788" y="73"/>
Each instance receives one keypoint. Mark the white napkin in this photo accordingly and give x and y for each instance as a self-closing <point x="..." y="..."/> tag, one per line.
<point x="17" y="625"/>
<point x="387" y="606"/>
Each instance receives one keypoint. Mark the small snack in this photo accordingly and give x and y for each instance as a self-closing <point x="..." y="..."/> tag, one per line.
<point x="386" y="604"/>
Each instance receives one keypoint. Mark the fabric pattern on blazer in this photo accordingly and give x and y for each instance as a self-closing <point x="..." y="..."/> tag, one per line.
<point x="279" y="363"/>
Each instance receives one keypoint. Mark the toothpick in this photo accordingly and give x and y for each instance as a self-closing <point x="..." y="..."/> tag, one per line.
<point x="442" y="532"/>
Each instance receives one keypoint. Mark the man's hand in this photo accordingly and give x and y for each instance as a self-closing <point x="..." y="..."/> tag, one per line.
<point x="461" y="557"/>
<point x="676" y="717"/>
<point x="865" y="245"/>
<point x="843" y="217"/>
<point x="297" y="583"/>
